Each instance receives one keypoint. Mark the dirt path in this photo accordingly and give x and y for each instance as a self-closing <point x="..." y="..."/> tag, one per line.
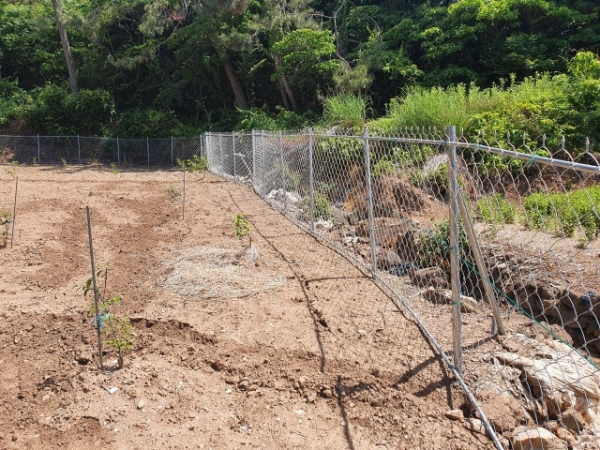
<point x="273" y="341"/>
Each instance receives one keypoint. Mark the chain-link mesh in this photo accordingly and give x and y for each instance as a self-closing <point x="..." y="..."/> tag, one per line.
<point x="86" y="150"/>
<point x="384" y="201"/>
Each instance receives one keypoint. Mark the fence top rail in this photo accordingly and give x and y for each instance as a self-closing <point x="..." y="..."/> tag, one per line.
<point x="532" y="158"/>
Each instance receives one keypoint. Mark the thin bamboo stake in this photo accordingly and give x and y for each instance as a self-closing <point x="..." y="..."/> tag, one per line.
<point x="14" y="216"/>
<point x="98" y="327"/>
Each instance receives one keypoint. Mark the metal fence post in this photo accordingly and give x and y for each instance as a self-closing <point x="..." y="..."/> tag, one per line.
<point x="454" y="248"/>
<point x="148" y="148"/>
<point x="118" y="152"/>
<point x="221" y="152"/>
<point x="233" y="153"/>
<point x="78" y="149"/>
<point x="172" y="152"/>
<point x="311" y="176"/>
<point x="367" y="154"/>
<point x="254" y="159"/>
<point x="39" y="150"/>
<point x="282" y="171"/>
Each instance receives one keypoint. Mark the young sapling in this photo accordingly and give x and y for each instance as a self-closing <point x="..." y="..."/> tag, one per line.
<point x="118" y="331"/>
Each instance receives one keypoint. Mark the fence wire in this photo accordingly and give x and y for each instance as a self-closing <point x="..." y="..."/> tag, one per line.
<point x="526" y="305"/>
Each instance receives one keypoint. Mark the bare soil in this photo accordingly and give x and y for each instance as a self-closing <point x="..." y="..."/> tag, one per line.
<point x="273" y="341"/>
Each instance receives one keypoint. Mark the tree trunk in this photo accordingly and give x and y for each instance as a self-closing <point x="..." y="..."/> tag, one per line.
<point x="240" y="96"/>
<point x="286" y="86"/>
<point x="64" y="40"/>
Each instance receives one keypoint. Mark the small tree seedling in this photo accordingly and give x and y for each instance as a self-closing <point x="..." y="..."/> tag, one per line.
<point x="195" y="164"/>
<point x="5" y="221"/>
<point x="173" y="192"/>
<point x="12" y="169"/>
<point x="241" y="226"/>
<point x="118" y="331"/>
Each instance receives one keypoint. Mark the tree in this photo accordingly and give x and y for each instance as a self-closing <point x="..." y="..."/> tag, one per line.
<point x="64" y="40"/>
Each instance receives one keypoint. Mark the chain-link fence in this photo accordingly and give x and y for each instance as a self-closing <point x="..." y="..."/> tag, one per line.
<point x="492" y="248"/>
<point x="86" y="150"/>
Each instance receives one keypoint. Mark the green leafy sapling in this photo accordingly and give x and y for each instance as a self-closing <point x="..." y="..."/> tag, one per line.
<point x="5" y="221"/>
<point x="118" y="331"/>
<point x="195" y="164"/>
<point x="241" y="226"/>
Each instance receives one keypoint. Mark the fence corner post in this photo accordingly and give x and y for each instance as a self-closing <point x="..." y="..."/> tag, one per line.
<point x="367" y="162"/>
<point x="454" y="247"/>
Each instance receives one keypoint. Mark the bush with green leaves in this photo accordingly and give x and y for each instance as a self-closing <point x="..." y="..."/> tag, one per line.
<point x="322" y="206"/>
<point x="118" y="331"/>
<point x="563" y="213"/>
<point x="434" y="248"/>
<point x="57" y="111"/>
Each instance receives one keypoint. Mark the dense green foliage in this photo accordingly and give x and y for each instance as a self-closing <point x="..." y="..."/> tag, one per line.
<point x="165" y="67"/>
<point x="564" y="213"/>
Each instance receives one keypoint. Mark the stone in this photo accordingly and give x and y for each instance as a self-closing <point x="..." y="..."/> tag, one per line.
<point x="113" y="390"/>
<point x="455" y="414"/>
<point x="387" y="258"/>
<point x="573" y="421"/>
<point x="475" y="426"/>
<point x="243" y="385"/>
<point x="83" y="355"/>
<point x="141" y="404"/>
<point x="539" y="438"/>
<point x="432" y="276"/>
<point x="503" y="411"/>
<point x="444" y="297"/>
<point x="302" y="381"/>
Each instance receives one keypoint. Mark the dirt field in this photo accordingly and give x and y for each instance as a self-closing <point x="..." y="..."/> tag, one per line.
<point x="273" y="341"/>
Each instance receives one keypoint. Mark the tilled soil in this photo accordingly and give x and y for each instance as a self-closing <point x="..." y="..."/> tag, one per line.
<point x="270" y="341"/>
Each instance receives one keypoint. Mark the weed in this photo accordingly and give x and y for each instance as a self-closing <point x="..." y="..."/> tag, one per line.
<point x="118" y="331"/>
<point x="113" y="168"/>
<point x="173" y="192"/>
<point x="63" y="161"/>
<point x="322" y="206"/>
<point x="34" y="160"/>
<point x="434" y="248"/>
<point x="241" y="226"/>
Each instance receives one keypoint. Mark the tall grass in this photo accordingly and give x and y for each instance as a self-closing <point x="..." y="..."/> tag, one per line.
<point x="346" y="110"/>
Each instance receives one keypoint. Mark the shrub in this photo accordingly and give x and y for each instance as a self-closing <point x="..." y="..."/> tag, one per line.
<point x="565" y="212"/>
<point x="434" y="248"/>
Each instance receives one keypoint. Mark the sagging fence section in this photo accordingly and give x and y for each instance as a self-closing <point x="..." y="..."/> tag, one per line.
<point x="491" y="247"/>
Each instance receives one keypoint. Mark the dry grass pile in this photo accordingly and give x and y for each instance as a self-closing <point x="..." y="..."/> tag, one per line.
<point x="208" y="273"/>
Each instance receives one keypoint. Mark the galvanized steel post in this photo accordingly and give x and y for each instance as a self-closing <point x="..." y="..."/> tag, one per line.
<point x="454" y="248"/>
<point x="367" y="155"/>
<point x="311" y="176"/>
